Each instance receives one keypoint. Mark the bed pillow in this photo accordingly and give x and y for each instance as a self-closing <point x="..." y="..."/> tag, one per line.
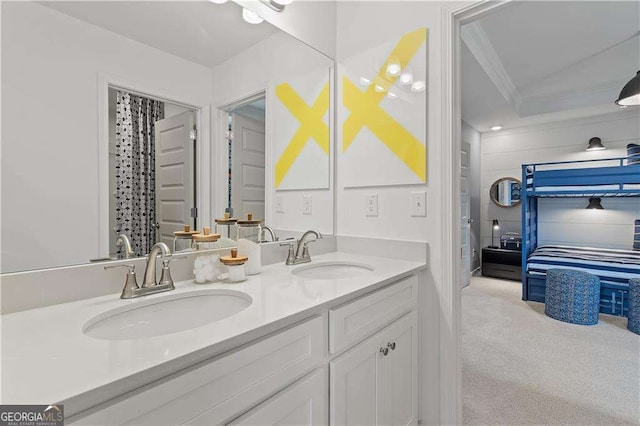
<point x="636" y="236"/>
<point x="633" y="154"/>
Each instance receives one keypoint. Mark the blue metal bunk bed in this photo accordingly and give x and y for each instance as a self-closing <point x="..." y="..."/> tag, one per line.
<point x="578" y="179"/>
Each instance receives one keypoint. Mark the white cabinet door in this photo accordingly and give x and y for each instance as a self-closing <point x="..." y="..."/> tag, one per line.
<point x="356" y="384"/>
<point x="304" y="403"/>
<point x="401" y="372"/>
<point x="376" y="382"/>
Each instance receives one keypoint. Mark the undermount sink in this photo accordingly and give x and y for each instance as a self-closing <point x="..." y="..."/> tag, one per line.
<point x="333" y="270"/>
<point x="166" y="315"/>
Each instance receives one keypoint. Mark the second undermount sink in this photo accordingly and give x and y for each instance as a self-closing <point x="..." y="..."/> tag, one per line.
<point x="165" y="315"/>
<point x="333" y="270"/>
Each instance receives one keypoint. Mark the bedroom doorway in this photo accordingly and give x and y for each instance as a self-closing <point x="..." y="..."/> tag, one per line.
<point x="498" y="106"/>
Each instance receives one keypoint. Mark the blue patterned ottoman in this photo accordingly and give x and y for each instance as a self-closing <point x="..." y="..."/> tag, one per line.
<point x="572" y="296"/>
<point x="634" y="305"/>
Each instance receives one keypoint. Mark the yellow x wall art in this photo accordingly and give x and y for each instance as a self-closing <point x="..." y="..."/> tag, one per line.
<point x="302" y="141"/>
<point x="383" y="113"/>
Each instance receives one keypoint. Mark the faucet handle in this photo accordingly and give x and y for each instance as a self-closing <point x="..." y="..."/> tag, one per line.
<point x="132" y="268"/>
<point x="291" y="256"/>
<point x="131" y="284"/>
<point x="165" y="278"/>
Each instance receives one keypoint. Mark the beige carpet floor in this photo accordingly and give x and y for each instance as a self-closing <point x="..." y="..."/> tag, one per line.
<point x="522" y="367"/>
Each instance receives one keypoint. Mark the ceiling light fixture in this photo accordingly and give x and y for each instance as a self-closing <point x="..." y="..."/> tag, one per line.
<point x="418" y="86"/>
<point x="496" y="128"/>
<point x="365" y="81"/>
<point x="250" y="16"/>
<point x="276" y="5"/>
<point x="595" y="144"/>
<point x="630" y="94"/>
<point x="380" y="89"/>
<point x="392" y="95"/>
<point x="218" y="1"/>
<point x="594" y="204"/>
<point x="406" y="78"/>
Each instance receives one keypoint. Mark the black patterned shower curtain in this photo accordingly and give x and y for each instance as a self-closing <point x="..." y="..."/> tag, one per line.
<point x="135" y="169"/>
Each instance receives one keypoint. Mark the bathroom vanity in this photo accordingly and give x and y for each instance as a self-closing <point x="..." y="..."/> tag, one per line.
<point x="305" y="347"/>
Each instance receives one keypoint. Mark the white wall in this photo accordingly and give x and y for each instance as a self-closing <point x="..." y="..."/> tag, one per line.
<point x="313" y="22"/>
<point x="562" y="221"/>
<point x="273" y="60"/>
<point x="362" y="26"/>
<point x="472" y="137"/>
<point x="50" y="122"/>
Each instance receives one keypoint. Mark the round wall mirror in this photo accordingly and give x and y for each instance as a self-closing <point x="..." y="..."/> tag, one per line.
<point x="505" y="192"/>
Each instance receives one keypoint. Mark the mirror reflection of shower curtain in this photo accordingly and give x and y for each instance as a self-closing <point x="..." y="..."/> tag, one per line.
<point x="135" y="169"/>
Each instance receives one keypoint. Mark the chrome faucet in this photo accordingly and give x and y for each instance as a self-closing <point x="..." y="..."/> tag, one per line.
<point x="131" y="288"/>
<point x="150" y="271"/>
<point x="270" y="231"/>
<point x="301" y="254"/>
<point x="123" y="240"/>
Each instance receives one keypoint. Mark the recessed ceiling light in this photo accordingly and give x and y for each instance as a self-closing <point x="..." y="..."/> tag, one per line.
<point x="406" y="78"/>
<point x="380" y="89"/>
<point x="250" y="16"/>
<point x="393" y="69"/>
<point x="495" y="128"/>
<point x="365" y="81"/>
<point x="418" y="86"/>
<point x="391" y="95"/>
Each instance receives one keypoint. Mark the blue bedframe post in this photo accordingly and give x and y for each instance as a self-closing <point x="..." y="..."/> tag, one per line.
<point x="529" y="225"/>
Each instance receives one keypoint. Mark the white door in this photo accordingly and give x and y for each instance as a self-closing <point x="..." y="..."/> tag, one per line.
<point x="302" y="404"/>
<point x="401" y="372"/>
<point x="247" y="167"/>
<point x="175" y="174"/>
<point x="465" y="211"/>
<point x="356" y="385"/>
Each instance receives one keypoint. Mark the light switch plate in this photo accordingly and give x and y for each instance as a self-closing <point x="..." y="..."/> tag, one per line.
<point x="306" y="204"/>
<point x="419" y="204"/>
<point x="372" y="205"/>
<point x="279" y="204"/>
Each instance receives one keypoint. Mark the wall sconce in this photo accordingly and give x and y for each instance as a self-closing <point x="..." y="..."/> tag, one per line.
<point x="496" y="226"/>
<point x="595" y="144"/>
<point x="630" y="94"/>
<point x="594" y="204"/>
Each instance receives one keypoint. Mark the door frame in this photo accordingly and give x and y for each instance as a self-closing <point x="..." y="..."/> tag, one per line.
<point x="203" y="126"/>
<point x="452" y="18"/>
<point x="219" y="153"/>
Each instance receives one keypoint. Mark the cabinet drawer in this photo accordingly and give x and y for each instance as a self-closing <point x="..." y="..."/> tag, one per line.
<point x="225" y="386"/>
<point x="350" y="323"/>
<point x="304" y="403"/>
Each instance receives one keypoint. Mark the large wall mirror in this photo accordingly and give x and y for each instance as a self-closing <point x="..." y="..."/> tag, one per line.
<point x="506" y="192"/>
<point x="138" y="118"/>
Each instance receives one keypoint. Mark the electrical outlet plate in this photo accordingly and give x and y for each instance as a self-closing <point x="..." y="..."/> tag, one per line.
<point x="372" y="205"/>
<point x="419" y="204"/>
<point x="279" y="204"/>
<point x="306" y="204"/>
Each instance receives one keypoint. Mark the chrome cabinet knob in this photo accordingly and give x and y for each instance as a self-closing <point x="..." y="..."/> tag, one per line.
<point x="392" y="345"/>
<point x="384" y="351"/>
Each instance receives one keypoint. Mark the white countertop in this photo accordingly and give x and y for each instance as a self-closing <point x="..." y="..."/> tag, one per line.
<point x="46" y="358"/>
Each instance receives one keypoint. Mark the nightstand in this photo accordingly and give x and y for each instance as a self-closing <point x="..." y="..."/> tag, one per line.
<point x="502" y="263"/>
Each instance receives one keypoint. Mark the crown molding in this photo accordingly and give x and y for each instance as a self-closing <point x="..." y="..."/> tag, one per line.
<point x="481" y="48"/>
<point x="573" y="99"/>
